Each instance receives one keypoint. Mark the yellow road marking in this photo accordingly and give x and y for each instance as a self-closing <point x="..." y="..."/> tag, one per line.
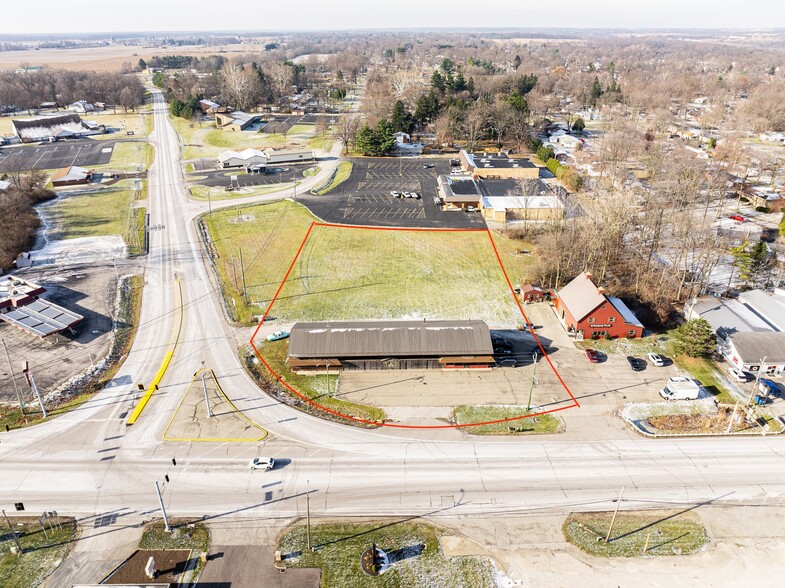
<point x="213" y="439"/>
<point x="153" y="386"/>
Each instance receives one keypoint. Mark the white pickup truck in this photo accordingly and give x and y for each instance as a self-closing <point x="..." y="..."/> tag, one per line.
<point x="680" y="388"/>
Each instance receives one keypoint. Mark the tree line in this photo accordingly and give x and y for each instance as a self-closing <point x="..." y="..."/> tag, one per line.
<point x="28" y="90"/>
<point x="19" y="221"/>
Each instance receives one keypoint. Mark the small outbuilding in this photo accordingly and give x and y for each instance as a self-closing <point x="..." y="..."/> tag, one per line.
<point x="531" y="293"/>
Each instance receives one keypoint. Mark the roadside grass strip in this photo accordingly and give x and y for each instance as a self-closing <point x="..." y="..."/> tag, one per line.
<point x="412" y="547"/>
<point x="497" y="415"/>
<point x="636" y="534"/>
<point x="341" y="174"/>
<point x="42" y="552"/>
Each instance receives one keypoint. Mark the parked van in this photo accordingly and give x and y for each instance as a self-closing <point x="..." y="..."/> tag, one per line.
<point x="680" y="388"/>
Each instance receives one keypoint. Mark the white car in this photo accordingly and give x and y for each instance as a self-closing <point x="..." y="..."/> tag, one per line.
<point x="655" y="359"/>
<point x="262" y="463"/>
<point x="738" y="375"/>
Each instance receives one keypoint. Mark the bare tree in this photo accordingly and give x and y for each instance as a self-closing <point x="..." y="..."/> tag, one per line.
<point x="281" y="76"/>
<point x="346" y="130"/>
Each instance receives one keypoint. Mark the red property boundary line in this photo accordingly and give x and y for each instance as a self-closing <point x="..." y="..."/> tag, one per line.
<point x="313" y="224"/>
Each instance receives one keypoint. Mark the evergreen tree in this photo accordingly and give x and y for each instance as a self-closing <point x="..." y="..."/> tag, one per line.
<point x="596" y="92"/>
<point x="695" y="338"/>
<point x="447" y="65"/>
<point x="142" y="64"/>
<point x="437" y="81"/>
<point x="782" y="225"/>
<point x="516" y="62"/>
<point x="578" y="125"/>
<point x="401" y="119"/>
<point x="518" y="102"/>
<point x="365" y="141"/>
<point x="459" y="83"/>
<point x="385" y="136"/>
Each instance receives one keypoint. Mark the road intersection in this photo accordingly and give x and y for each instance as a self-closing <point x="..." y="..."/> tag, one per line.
<point x="89" y="461"/>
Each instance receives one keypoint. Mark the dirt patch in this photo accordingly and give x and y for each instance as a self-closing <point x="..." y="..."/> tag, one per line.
<point x="169" y="565"/>
<point x="704" y="423"/>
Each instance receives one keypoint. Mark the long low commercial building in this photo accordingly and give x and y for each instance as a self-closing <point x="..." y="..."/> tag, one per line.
<point x="255" y="160"/>
<point x="379" y="345"/>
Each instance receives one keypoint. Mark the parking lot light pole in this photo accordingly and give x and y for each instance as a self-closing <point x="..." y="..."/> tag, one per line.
<point x="531" y="387"/>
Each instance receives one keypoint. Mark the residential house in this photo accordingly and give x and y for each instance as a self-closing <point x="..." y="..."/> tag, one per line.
<point x="81" y="106"/>
<point x="587" y="313"/>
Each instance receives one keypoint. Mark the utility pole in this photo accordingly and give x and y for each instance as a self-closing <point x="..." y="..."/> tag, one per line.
<point x="531" y="387"/>
<point x="163" y="509"/>
<point x="31" y="380"/>
<point x="757" y="380"/>
<point x="13" y="533"/>
<point x="308" y="513"/>
<point x="615" y="512"/>
<point x="242" y="274"/>
<point x="13" y="377"/>
<point x="206" y="399"/>
<point x="732" y="418"/>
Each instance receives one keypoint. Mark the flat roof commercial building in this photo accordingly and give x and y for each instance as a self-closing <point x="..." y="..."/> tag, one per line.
<point x="22" y="307"/>
<point x="374" y="345"/>
<point x="499" y="166"/>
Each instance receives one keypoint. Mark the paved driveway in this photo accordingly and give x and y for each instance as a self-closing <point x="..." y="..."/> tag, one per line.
<point x="252" y="566"/>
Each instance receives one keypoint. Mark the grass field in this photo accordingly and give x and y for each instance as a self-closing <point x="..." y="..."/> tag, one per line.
<point x="357" y="274"/>
<point x="543" y="424"/>
<point x="316" y="388"/>
<point x="414" y="547"/>
<point x="323" y="143"/>
<point x="129" y="156"/>
<point x="41" y="556"/>
<point x="341" y="175"/>
<point x="200" y="192"/>
<point x="109" y="211"/>
<point x="635" y="534"/>
<point x="140" y="124"/>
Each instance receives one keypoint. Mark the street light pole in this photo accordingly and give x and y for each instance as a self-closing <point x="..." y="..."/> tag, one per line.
<point x="163" y="509"/>
<point x="308" y="513"/>
<point x="206" y="399"/>
<point x="531" y="387"/>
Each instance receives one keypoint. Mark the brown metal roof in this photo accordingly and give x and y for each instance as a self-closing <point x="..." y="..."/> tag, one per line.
<point x="389" y="339"/>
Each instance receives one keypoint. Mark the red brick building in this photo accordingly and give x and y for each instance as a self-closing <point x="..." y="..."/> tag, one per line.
<point x="585" y="311"/>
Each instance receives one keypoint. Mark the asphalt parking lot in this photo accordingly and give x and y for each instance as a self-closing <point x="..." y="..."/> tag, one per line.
<point x="221" y="177"/>
<point x="365" y="199"/>
<point x="84" y="153"/>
